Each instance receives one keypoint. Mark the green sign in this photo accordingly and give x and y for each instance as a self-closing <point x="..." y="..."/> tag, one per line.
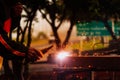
<point x="95" y="28"/>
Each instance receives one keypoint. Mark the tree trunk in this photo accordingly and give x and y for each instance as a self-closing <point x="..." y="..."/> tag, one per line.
<point x="57" y="39"/>
<point x="105" y="21"/>
<point x="68" y="34"/>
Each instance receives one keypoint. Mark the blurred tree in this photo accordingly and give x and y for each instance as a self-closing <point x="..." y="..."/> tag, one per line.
<point x="79" y="10"/>
<point x="57" y="11"/>
<point x="53" y="12"/>
<point x="86" y="10"/>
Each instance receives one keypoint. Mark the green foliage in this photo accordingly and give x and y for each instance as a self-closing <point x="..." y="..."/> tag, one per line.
<point x="89" y="45"/>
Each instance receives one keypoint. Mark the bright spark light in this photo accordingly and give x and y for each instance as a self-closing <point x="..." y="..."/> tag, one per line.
<point x="61" y="55"/>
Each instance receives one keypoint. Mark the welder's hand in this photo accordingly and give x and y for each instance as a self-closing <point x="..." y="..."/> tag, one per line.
<point x="33" y="55"/>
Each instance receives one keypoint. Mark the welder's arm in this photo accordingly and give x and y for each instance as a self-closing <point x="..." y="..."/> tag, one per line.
<point x="19" y="49"/>
<point x="8" y="47"/>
